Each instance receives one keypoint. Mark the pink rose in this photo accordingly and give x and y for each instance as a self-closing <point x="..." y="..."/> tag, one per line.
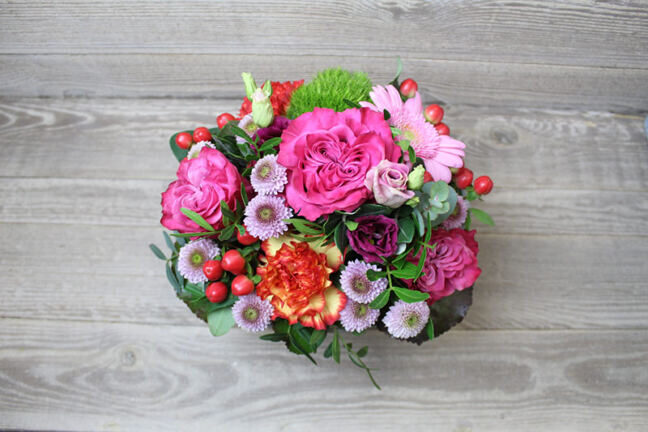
<point x="388" y="182"/>
<point x="328" y="155"/>
<point x="451" y="266"/>
<point x="202" y="183"/>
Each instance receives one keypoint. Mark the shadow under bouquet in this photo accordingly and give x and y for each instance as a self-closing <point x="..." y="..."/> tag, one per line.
<point x="322" y="210"/>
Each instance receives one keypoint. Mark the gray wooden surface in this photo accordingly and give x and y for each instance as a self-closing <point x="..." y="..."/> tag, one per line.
<point x="549" y="98"/>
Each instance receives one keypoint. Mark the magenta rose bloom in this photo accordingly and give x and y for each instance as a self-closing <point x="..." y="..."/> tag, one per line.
<point x="375" y="237"/>
<point x="451" y="266"/>
<point x="328" y="154"/>
<point x="201" y="185"/>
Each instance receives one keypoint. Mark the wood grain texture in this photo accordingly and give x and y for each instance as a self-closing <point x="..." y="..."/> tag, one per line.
<point x="570" y="32"/>
<point x="218" y="76"/>
<point x="128" y="139"/>
<point x="94" y="272"/>
<point x="135" y="377"/>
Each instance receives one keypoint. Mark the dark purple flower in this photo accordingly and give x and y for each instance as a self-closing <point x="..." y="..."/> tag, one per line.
<point x="272" y="131"/>
<point x="375" y="237"/>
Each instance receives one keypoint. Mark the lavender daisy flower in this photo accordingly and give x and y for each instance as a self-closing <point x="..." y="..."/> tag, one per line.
<point x="195" y="149"/>
<point x="357" y="316"/>
<point x="458" y="216"/>
<point x="248" y="125"/>
<point x="252" y="313"/>
<point x="193" y="255"/>
<point x="357" y="286"/>
<point x="268" y="176"/>
<point x="264" y="216"/>
<point x="406" y="320"/>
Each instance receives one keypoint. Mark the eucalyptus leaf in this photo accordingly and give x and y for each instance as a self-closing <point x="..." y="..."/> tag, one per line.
<point x="220" y="321"/>
<point x="168" y="241"/>
<point x="158" y="253"/>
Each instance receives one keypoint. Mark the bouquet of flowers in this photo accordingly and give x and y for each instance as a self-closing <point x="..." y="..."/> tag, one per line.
<point x="324" y="209"/>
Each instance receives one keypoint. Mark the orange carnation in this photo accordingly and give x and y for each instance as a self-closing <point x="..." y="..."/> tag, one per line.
<point x="296" y="281"/>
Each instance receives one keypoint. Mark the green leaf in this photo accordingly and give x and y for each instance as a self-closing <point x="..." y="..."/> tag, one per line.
<point x="270" y="144"/>
<point x="340" y="237"/>
<point x="304" y="226"/>
<point x="351" y="103"/>
<point x="172" y="279"/>
<point x="468" y="222"/>
<point x="430" y="329"/>
<point x="351" y="225"/>
<point x="387" y="116"/>
<point x="273" y="337"/>
<point x="240" y="229"/>
<point x="227" y="212"/>
<point x="301" y="336"/>
<point x="411" y="153"/>
<point x="196" y="234"/>
<point x="399" y="70"/>
<point x="408" y="271"/>
<point x="197" y="219"/>
<point x="406" y="230"/>
<point x="168" y="241"/>
<point x="362" y="351"/>
<point x="336" y="346"/>
<point x="316" y="339"/>
<point x="411" y="296"/>
<point x="328" y="352"/>
<point x="256" y="279"/>
<point x="177" y="151"/>
<point x="374" y="275"/>
<point x="227" y="233"/>
<point x="158" y="253"/>
<point x="482" y="216"/>
<point x="302" y="346"/>
<point x="281" y="326"/>
<point x="380" y="301"/>
<point x="220" y="321"/>
<point x="244" y="196"/>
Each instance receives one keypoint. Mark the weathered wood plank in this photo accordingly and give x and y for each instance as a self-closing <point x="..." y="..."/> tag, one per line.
<point x="137" y="203"/>
<point x="135" y="377"/>
<point x="572" y="32"/>
<point x="127" y="139"/>
<point x="107" y="273"/>
<point x="218" y="76"/>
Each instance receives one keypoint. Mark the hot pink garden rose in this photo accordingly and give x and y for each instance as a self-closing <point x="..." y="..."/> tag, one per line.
<point x="201" y="185"/>
<point x="451" y="266"/>
<point x="328" y="155"/>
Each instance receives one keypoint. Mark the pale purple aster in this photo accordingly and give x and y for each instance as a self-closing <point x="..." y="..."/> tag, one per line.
<point x="268" y="177"/>
<point x="193" y="255"/>
<point x="195" y="149"/>
<point x="264" y="216"/>
<point x="248" y="125"/>
<point x="357" y="286"/>
<point x="458" y="216"/>
<point x="406" y="320"/>
<point x="357" y="316"/>
<point x="252" y="313"/>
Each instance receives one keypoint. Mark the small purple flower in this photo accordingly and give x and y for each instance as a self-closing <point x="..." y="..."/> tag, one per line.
<point x="252" y="313"/>
<point x="458" y="216"/>
<point x="357" y="316"/>
<point x="375" y="237"/>
<point x="264" y="216"/>
<point x="194" y="152"/>
<point x="248" y="125"/>
<point x="274" y="130"/>
<point x="193" y="255"/>
<point x="406" y="320"/>
<point x="356" y="285"/>
<point x="268" y="176"/>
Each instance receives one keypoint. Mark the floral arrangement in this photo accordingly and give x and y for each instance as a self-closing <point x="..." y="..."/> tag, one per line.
<point x="324" y="209"/>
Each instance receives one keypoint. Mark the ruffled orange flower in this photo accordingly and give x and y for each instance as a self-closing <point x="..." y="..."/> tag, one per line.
<point x="296" y="281"/>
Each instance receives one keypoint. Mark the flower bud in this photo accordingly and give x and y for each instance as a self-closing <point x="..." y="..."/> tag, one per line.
<point x="413" y="202"/>
<point x="262" y="111"/>
<point x="416" y="178"/>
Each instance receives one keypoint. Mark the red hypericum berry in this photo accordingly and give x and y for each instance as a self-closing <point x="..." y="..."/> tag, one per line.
<point x="233" y="262"/>
<point x="223" y="119"/>
<point x="433" y="113"/>
<point x="442" y="128"/>
<point x="183" y="140"/>
<point x="427" y="177"/>
<point x="483" y="185"/>
<point x="463" y="178"/>
<point x="216" y="292"/>
<point x="201" y="134"/>
<point x="241" y="285"/>
<point x="213" y="269"/>
<point x="245" y="239"/>
<point x="408" y="88"/>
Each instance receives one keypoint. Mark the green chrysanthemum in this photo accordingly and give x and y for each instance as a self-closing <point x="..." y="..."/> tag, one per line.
<point x="331" y="88"/>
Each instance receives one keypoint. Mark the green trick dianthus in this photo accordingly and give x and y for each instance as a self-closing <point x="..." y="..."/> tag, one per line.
<point x="330" y="89"/>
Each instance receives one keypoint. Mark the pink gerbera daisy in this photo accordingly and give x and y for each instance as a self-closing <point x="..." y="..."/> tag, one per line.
<point x="439" y="152"/>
